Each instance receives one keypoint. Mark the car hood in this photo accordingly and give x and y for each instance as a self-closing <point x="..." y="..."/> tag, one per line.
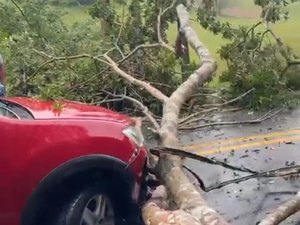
<point x="67" y="109"/>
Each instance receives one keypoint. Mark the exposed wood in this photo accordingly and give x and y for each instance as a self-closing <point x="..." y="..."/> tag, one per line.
<point x="142" y="84"/>
<point x="283" y="212"/>
<point x="183" y="192"/>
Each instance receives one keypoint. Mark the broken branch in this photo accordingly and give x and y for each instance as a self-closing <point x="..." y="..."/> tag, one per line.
<point x="184" y="193"/>
<point x="230" y="101"/>
<point x="144" y="85"/>
<point x="195" y="116"/>
<point x="144" y="108"/>
<point x="199" y="77"/>
<point x="183" y="120"/>
<point x="228" y="123"/>
<point x="186" y="154"/>
<point x="283" y="212"/>
<point x="112" y="64"/>
<point x="281" y="172"/>
<point x="158" y="27"/>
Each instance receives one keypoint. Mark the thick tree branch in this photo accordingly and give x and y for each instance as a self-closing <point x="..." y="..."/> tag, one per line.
<point x="185" y="195"/>
<point x="283" y="212"/>
<point x="120" y="62"/>
<point x="142" y="84"/>
<point x="154" y="211"/>
<point x="199" y="77"/>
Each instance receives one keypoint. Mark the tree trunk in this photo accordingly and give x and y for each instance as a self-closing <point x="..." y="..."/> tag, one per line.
<point x="169" y="167"/>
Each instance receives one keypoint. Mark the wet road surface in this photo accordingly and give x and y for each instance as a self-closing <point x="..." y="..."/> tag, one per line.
<point x="272" y="144"/>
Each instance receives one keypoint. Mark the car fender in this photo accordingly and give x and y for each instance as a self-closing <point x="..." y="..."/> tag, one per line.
<point x="69" y="168"/>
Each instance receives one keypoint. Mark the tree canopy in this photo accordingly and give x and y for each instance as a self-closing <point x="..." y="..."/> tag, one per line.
<point x="39" y="31"/>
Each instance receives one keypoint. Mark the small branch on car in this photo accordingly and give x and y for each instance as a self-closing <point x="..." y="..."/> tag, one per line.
<point x="144" y="108"/>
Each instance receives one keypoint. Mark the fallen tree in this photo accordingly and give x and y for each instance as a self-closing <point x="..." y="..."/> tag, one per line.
<point x="169" y="168"/>
<point x="190" y="207"/>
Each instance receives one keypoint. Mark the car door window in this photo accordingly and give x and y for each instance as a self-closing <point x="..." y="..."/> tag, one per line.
<point x="7" y="112"/>
<point x="14" y="111"/>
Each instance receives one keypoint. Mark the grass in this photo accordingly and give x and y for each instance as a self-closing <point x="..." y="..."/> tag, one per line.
<point x="287" y="30"/>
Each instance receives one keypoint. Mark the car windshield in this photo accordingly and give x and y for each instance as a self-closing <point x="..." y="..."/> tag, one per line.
<point x="14" y="111"/>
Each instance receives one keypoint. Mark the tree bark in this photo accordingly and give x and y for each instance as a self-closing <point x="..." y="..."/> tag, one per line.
<point x="169" y="167"/>
<point x="283" y="212"/>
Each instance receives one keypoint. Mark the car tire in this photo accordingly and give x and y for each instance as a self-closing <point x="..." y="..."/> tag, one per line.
<point x="85" y="207"/>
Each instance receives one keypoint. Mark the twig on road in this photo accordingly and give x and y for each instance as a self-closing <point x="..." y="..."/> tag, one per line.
<point x="195" y="117"/>
<point x="232" y="100"/>
<point x="186" y="154"/>
<point x="227" y="123"/>
<point x="281" y="172"/>
<point x="215" y="107"/>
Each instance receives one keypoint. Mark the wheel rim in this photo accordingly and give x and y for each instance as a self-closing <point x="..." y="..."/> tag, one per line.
<point x="98" y="211"/>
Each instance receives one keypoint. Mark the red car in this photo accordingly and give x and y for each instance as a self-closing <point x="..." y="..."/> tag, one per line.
<point x="68" y="163"/>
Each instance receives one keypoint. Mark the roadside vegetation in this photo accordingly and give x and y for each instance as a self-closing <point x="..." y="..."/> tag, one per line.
<point x="63" y="28"/>
<point x="133" y="56"/>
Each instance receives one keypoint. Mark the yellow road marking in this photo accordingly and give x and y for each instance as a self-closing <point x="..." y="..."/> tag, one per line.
<point x="242" y="139"/>
<point x="243" y="146"/>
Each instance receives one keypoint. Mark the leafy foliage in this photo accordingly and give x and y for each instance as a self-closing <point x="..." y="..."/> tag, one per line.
<point x="256" y="59"/>
<point x="38" y="33"/>
<point x="36" y="38"/>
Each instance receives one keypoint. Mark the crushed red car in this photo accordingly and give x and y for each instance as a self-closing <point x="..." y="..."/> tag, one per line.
<point x="68" y="163"/>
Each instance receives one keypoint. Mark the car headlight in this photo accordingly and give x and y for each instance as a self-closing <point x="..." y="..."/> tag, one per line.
<point x="135" y="135"/>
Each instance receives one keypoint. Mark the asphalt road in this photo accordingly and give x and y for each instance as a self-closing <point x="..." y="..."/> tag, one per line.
<point x="272" y="144"/>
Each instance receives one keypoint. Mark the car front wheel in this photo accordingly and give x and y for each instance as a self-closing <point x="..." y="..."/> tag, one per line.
<point x="92" y="205"/>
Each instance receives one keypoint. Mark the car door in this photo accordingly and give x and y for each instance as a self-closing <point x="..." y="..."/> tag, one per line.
<point x="7" y="169"/>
